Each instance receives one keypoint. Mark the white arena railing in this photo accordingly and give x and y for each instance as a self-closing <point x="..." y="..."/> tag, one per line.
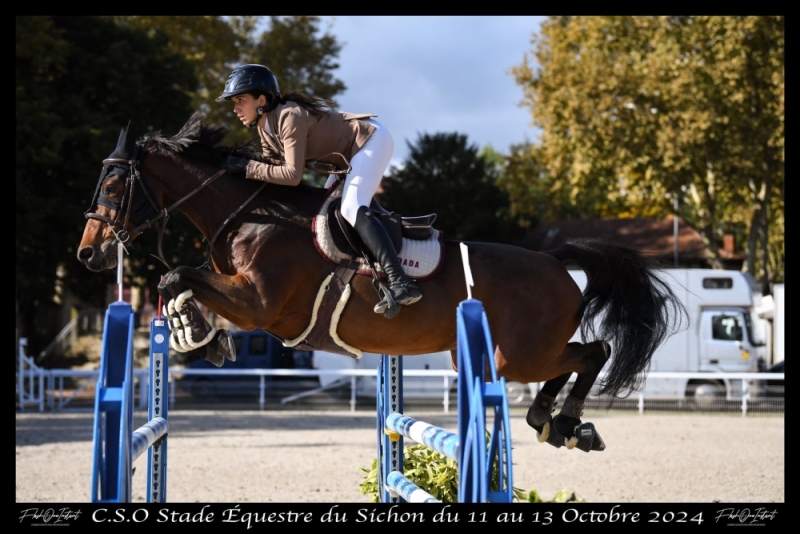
<point x="44" y="389"/>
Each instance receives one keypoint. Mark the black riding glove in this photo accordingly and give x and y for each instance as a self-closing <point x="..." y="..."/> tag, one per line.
<point x="235" y="165"/>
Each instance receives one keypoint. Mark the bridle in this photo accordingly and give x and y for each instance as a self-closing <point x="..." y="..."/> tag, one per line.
<point x="123" y="208"/>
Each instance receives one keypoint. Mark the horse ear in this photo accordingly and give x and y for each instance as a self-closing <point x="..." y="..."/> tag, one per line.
<point x="121" y="140"/>
<point x="130" y="141"/>
<point x="126" y="144"/>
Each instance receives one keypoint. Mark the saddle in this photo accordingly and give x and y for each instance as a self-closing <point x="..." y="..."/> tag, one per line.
<point x="422" y="256"/>
<point x="420" y="247"/>
<point x="419" y="228"/>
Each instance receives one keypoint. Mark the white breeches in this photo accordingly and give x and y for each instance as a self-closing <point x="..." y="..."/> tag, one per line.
<point x="368" y="166"/>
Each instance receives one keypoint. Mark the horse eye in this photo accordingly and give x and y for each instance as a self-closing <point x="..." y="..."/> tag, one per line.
<point x="111" y="189"/>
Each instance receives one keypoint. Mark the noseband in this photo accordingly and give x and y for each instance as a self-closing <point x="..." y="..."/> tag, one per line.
<point x="123" y="209"/>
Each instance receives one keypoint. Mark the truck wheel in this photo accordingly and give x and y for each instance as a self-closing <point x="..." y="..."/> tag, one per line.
<point x="203" y="389"/>
<point x="705" y="395"/>
<point x="516" y="392"/>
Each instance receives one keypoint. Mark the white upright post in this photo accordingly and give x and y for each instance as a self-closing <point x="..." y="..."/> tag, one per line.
<point x="467" y="270"/>
<point x="119" y="271"/>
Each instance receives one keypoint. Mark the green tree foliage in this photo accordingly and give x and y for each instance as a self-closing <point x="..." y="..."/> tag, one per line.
<point x="297" y="50"/>
<point x="635" y="109"/>
<point x="78" y="81"/>
<point x="531" y="193"/>
<point x="71" y="102"/>
<point x="212" y="45"/>
<point x="446" y="176"/>
<point x="299" y="58"/>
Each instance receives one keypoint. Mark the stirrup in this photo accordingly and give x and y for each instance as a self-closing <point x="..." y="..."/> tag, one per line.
<point x="390" y="305"/>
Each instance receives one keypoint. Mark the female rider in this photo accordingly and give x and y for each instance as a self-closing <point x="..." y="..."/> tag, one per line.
<point x="296" y="128"/>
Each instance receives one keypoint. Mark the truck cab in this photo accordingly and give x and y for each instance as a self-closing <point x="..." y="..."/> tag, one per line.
<point x="729" y="342"/>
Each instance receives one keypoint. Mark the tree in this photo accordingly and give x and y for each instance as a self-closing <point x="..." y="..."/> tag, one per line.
<point x="446" y="176"/>
<point x="299" y="58"/>
<point x="295" y="48"/>
<point x="71" y="102"/>
<point x="213" y="45"/>
<point x="634" y="109"/>
<point x="533" y="193"/>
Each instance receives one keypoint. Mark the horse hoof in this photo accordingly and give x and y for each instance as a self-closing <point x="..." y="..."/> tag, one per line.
<point x="548" y="433"/>
<point x="586" y="439"/>
<point x="210" y="354"/>
<point x="597" y="443"/>
<point x="554" y="438"/>
<point x="223" y="341"/>
<point x="539" y="419"/>
<point x="542" y="431"/>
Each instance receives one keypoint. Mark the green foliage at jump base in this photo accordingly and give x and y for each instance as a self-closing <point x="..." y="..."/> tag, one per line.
<point x="438" y="475"/>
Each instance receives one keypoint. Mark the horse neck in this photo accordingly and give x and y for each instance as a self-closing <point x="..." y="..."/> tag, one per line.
<point x="215" y="205"/>
<point x="172" y="186"/>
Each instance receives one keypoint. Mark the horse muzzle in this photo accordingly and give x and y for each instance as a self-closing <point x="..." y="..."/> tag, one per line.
<point x="98" y="259"/>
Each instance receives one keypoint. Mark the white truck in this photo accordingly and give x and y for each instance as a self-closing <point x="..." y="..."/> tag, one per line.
<point x="725" y="334"/>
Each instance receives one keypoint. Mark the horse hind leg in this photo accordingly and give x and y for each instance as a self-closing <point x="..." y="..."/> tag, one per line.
<point x="539" y="414"/>
<point x="568" y="421"/>
<point x="567" y="428"/>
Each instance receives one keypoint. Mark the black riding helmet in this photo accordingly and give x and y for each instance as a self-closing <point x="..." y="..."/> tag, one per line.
<point x="252" y="78"/>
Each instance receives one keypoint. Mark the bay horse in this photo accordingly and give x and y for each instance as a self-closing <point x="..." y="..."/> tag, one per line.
<point x="266" y="271"/>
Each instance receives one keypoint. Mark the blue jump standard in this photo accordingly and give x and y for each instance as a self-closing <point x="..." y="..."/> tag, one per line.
<point x="468" y="447"/>
<point x="116" y="444"/>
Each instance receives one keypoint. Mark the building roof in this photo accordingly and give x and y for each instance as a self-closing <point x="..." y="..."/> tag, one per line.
<point x="653" y="237"/>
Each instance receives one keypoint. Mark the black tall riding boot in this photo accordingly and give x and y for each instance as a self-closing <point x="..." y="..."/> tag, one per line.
<point x="403" y="291"/>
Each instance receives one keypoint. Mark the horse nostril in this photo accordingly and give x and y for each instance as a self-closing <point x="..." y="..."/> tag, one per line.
<point x="85" y="253"/>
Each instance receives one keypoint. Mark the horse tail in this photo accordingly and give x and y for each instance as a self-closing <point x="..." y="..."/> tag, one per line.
<point x="639" y="311"/>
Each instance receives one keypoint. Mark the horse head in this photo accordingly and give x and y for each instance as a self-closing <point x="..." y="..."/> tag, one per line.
<point x="118" y="204"/>
<point x="139" y="178"/>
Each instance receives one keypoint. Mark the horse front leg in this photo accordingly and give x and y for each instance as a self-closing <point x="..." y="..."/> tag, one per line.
<point x="567" y="429"/>
<point x="190" y="331"/>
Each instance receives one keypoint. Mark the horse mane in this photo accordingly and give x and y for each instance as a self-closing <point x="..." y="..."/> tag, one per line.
<point x="197" y="139"/>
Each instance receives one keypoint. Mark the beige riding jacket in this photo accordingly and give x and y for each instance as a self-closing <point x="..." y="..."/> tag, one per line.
<point x="298" y="137"/>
